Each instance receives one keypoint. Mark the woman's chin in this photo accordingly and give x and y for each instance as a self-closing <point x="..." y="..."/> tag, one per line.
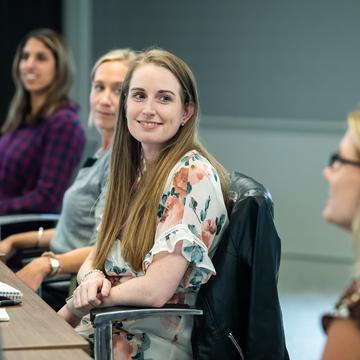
<point x="326" y="214"/>
<point x="329" y="217"/>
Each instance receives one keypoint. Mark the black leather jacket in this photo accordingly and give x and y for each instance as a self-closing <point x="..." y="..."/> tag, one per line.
<point x="242" y="315"/>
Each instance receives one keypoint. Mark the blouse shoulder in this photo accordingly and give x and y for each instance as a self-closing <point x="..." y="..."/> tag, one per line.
<point x="198" y="164"/>
<point x="67" y="113"/>
<point x="348" y="307"/>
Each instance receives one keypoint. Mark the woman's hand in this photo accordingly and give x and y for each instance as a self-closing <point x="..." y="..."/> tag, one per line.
<point x="91" y="292"/>
<point x="68" y="316"/>
<point x="6" y="247"/>
<point x="35" y="272"/>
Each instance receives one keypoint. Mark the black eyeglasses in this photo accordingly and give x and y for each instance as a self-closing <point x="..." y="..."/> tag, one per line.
<point x="337" y="158"/>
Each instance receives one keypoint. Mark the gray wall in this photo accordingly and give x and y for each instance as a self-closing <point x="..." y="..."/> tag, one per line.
<point x="288" y="157"/>
<point x="278" y="58"/>
<point x="276" y="80"/>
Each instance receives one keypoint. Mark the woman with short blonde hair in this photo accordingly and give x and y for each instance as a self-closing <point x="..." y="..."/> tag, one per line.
<point x="343" y="209"/>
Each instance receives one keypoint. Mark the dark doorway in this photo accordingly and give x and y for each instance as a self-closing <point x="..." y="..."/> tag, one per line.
<point x="18" y="17"/>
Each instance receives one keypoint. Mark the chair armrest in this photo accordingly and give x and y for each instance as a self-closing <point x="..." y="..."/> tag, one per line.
<point x="26" y="218"/>
<point x="120" y="313"/>
<point x="17" y="223"/>
<point x="102" y="319"/>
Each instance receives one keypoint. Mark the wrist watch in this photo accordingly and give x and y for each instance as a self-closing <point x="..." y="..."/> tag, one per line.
<point x="55" y="266"/>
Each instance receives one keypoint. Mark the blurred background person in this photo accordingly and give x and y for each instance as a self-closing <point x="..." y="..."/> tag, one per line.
<point x="343" y="209"/>
<point x="82" y="207"/>
<point x="42" y="139"/>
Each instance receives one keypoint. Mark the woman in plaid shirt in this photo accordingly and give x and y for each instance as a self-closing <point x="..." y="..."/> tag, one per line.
<point x="42" y="138"/>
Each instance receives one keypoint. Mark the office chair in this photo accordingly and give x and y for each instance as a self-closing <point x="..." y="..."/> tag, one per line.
<point x="237" y="313"/>
<point x="53" y="289"/>
<point x="11" y="224"/>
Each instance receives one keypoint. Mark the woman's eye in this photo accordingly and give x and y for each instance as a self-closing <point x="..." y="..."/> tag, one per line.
<point x="24" y="56"/>
<point x="98" y="87"/>
<point x="117" y="91"/>
<point x="41" y="57"/>
<point x="138" y="96"/>
<point x="165" y="98"/>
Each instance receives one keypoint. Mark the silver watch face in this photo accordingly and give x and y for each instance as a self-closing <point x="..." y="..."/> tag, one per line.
<point x="55" y="264"/>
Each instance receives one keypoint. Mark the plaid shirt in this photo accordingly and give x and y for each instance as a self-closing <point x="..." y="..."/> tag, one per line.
<point x="37" y="164"/>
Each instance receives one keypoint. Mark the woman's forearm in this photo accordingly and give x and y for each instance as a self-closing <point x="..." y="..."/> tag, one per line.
<point x="68" y="316"/>
<point x="71" y="261"/>
<point x="136" y="292"/>
<point x="87" y="265"/>
<point x="155" y="288"/>
<point x="30" y="239"/>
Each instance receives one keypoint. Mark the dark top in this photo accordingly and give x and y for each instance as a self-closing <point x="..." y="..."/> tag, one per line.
<point x="37" y="163"/>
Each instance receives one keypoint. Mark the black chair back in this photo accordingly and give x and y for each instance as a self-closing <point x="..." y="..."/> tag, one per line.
<point x="242" y="315"/>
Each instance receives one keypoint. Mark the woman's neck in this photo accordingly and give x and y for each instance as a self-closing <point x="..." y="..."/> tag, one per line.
<point x="106" y="139"/>
<point x="150" y="156"/>
<point x="36" y="101"/>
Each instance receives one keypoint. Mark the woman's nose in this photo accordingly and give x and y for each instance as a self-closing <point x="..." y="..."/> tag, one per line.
<point x="106" y="97"/>
<point x="327" y="172"/>
<point x="29" y="62"/>
<point x="148" y="108"/>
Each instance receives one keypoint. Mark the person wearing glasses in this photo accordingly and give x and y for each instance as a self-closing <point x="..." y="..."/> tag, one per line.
<point x="342" y="325"/>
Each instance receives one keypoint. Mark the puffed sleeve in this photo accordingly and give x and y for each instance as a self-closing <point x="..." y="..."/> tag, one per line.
<point x="191" y="211"/>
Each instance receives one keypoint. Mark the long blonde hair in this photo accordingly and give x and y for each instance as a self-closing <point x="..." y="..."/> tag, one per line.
<point x="125" y="56"/>
<point x="137" y="223"/>
<point x="354" y="127"/>
<point x="58" y="92"/>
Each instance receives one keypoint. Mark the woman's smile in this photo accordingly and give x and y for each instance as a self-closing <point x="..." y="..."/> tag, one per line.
<point x="148" y="124"/>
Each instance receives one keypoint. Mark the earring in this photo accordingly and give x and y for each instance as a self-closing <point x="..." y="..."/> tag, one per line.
<point x="182" y="124"/>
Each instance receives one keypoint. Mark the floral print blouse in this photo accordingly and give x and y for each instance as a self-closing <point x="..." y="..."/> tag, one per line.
<point x="191" y="211"/>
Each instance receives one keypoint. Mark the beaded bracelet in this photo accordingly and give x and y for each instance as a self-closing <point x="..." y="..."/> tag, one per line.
<point x="93" y="271"/>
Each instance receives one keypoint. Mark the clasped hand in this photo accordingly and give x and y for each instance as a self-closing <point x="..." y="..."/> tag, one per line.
<point x="91" y="292"/>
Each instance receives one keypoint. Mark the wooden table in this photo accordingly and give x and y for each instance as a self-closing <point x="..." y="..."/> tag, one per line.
<point x="46" y="354"/>
<point x="34" y="325"/>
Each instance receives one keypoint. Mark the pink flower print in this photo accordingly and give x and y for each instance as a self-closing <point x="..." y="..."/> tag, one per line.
<point x="174" y="212"/>
<point x="197" y="171"/>
<point x="128" y="346"/>
<point x="122" y="349"/>
<point x="208" y="229"/>
<point x="180" y="181"/>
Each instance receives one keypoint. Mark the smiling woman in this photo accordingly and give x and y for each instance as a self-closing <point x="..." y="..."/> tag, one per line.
<point x="343" y="175"/>
<point x="37" y="70"/>
<point x="164" y="214"/>
<point x="343" y="209"/>
<point x="42" y="138"/>
<point x="155" y="109"/>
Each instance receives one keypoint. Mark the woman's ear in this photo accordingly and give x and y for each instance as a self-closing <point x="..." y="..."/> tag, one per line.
<point x="189" y="109"/>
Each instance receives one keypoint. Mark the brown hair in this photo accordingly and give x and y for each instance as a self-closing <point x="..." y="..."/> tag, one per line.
<point x="58" y="92"/>
<point x="137" y="223"/>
